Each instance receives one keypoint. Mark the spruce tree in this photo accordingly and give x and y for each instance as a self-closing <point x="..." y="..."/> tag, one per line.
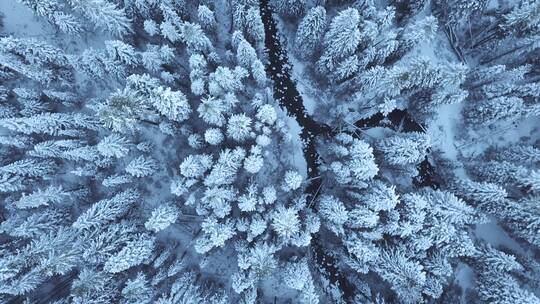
<point x="341" y="39"/>
<point x="104" y="14"/>
<point x="310" y="32"/>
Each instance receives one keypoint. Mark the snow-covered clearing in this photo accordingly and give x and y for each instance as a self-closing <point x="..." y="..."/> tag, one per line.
<point x="20" y="21"/>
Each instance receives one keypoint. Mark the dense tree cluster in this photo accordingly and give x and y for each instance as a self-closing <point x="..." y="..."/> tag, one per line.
<point x="151" y="152"/>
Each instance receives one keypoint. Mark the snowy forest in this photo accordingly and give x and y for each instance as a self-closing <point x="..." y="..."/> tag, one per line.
<point x="270" y="151"/>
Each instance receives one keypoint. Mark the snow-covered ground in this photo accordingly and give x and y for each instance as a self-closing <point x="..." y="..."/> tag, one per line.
<point x="464" y="277"/>
<point x="475" y="141"/>
<point x="296" y="158"/>
<point x="20" y="21"/>
<point x="496" y="236"/>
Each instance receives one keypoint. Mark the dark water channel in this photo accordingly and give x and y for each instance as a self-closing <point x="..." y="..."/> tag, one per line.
<point x="289" y="98"/>
<point x="287" y="95"/>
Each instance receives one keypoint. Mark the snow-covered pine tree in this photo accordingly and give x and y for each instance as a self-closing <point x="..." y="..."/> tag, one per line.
<point x="162" y="217"/>
<point x="290" y="8"/>
<point x="213" y="136"/>
<point x="421" y="30"/>
<point x="254" y="26"/>
<point x="404" y="275"/>
<point x="114" y="145"/>
<point x="36" y="60"/>
<point x="310" y="32"/>
<point x="106" y="210"/>
<point x="134" y="253"/>
<point x="142" y="166"/>
<point x="496" y="282"/>
<point x="239" y="127"/>
<point x="245" y="54"/>
<point x="121" y="52"/>
<point x="170" y="31"/>
<point x="104" y="14"/>
<point x="405" y="149"/>
<point x="122" y="111"/>
<point x="292" y="180"/>
<point x="206" y="17"/>
<point x="490" y="111"/>
<point x="215" y="234"/>
<point x="138" y="290"/>
<point x="285" y="222"/>
<point x="195" y="38"/>
<point x="341" y="40"/>
<point x="53" y="12"/>
<point x="30" y="167"/>
<point x="334" y="213"/>
<point x="172" y="104"/>
<point x="194" y="166"/>
<point x="50" y="195"/>
<point x="226" y="168"/>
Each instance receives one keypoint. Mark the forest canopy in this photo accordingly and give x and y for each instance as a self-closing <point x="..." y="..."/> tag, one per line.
<point x="269" y="151"/>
